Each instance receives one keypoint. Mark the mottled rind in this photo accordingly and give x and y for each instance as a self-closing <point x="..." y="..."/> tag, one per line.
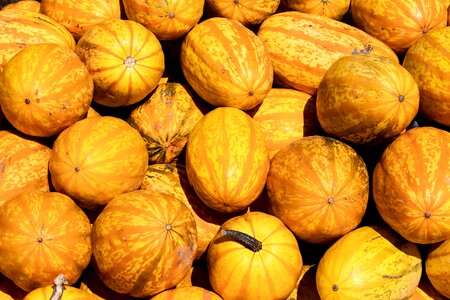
<point x="70" y="293"/>
<point x="187" y="293"/>
<point x="335" y="9"/>
<point x="411" y="179"/>
<point x="43" y="234"/>
<point x="437" y="267"/>
<point x="144" y="243"/>
<point x="30" y="5"/>
<point x="370" y="263"/>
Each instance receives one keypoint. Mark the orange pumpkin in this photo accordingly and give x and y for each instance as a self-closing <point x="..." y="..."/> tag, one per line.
<point x="226" y="64"/>
<point x="43" y="234"/>
<point x="318" y="187"/>
<point x="437" y="267"/>
<point x="144" y="243"/>
<point x="125" y="60"/>
<point x="227" y="159"/>
<point x="168" y="19"/>
<point x="370" y="262"/>
<point x="304" y="46"/>
<point x="23" y="165"/>
<point x="397" y="24"/>
<point x="372" y="104"/>
<point x="247" y="12"/>
<point x="428" y="62"/>
<point x="78" y="16"/>
<point x="44" y="89"/>
<point x="187" y="293"/>
<point x="413" y="174"/>
<point x="330" y="9"/>
<point x="21" y="28"/>
<point x="284" y="116"/>
<point x="97" y="159"/>
<point x="165" y="121"/>
<point x="30" y="5"/>
<point x="254" y="256"/>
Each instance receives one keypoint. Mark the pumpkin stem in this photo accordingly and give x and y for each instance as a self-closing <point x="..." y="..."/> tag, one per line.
<point x="58" y="288"/>
<point x="243" y="238"/>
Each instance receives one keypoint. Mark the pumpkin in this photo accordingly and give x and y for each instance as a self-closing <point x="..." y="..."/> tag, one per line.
<point x="144" y="243"/>
<point x="372" y="104"/>
<point x="437" y="267"/>
<point x="370" y="262"/>
<point x="284" y="116"/>
<point x="413" y="173"/>
<point x="4" y="296"/>
<point x="23" y="165"/>
<point x="226" y="64"/>
<point x="44" y="89"/>
<point x="43" y="234"/>
<point x="78" y="16"/>
<point x="247" y="12"/>
<point x="398" y="25"/>
<point x="319" y="187"/>
<point x="21" y="28"/>
<point x="97" y="159"/>
<point x="30" y="5"/>
<point x="168" y="19"/>
<point x="122" y="75"/>
<point x="165" y="121"/>
<point x="429" y="63"/>
<point x="330" y="9"/>
<point x="173" y="180"/>
<point x="254" y="256"/>
<point x="304" y="46"/>
<point x="187" y="293"/>
<point x="227" y="160"/>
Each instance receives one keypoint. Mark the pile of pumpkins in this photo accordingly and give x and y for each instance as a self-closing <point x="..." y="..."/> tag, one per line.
<point x="217" y="149"/>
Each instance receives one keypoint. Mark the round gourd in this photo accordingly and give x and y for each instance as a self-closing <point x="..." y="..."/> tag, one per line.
<point x="59" y="291"/>
<point x="167" y="19"/>
<point x="165" y="121"/>
<point x="247" y="12"/>
<point x="335" y="9"/>
<point x="44" y="89"/>
<point x="284" y="116"/>
<point x="144" y="243"/>
<point x="43" y="234"/>
<point x="254" y="256"/>
<point x="437" y="267"/>
<point x="78" y="16"/>
<point x="397" y="24"/>
<point x="319" y="187"/>
<point x="373" y="103"/>
<point x="413" y="173"/>
<point x="227" y="160"/>
<point x="125" y="59"/>
<point x="370" y="262"/>
<point x="23" y="165"/>
<point x="187" y="293"/>
<point x="303" y="47"/>
<point x="21" y="28"/>
<point x="429" y="64"/>
<point x="97" y="159"/>
<point x="226" y="63"/>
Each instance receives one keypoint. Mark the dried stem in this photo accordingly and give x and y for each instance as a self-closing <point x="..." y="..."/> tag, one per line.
<point x="243" y="238"/>
<point x="58" y="288"/>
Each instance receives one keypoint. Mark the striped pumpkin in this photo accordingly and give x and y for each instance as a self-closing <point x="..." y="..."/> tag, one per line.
<point x="44" y="89"/>
<point x="399" y="24"/>
<point x="78" y="16"/>
<point x="304" y="46"/>
<point x="284" y="116"/>
<point x="428" y="61"/>
<point x="226" y="64"/>
<point x="227" y="160"/>
<point x="144" y="243"/>
<point x="43" y="234"/>
<point x="247" y="12"/>
<point x="97" y="159"/>
<point x="437" y="267"/>
<point x="167" y="19"/>
<point x="69" y="293"/>
<point x="318" y="187"/>
<point x="165" y="121"/>
<point x="23" y="165"/>
<point x="268" y="267"/>
<point x="373" y="103"/>
<point x="187" y="293"/>
<point x="21" y="28"/>
<point x="335" y="9"/>
<point x="413" y="174"/>
<point x="30" y="5"/>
